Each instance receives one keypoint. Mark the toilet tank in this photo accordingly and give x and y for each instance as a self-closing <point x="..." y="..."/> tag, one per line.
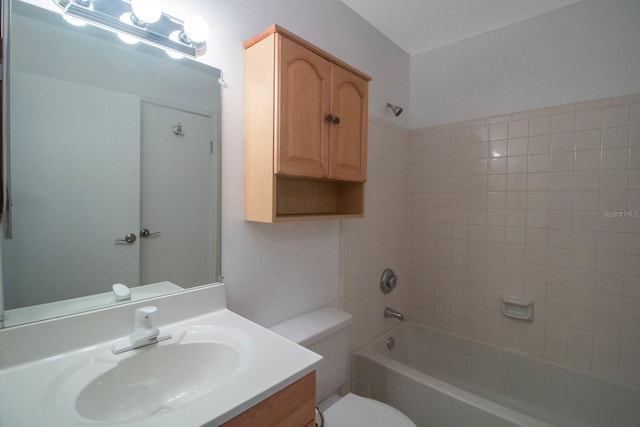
<point x="326" y="332"/>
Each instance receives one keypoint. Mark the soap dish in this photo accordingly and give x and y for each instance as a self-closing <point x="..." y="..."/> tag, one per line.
<point x="517" y="309"/>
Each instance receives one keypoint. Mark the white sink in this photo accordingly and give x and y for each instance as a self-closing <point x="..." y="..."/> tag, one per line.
<point x="149" y="381"/>
<point x="157" y="379"/>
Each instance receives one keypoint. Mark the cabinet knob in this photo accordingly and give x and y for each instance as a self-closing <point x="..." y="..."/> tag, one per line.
<point x="336" y="120"/>
<point x="328" y="118"/>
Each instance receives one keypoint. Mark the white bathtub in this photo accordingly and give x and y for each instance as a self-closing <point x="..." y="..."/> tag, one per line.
<point x="441" y="379"/>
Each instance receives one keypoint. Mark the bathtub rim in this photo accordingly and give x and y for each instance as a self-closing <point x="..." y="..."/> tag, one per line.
<point x="385" y="335"/>
<point x="452" y="391"/>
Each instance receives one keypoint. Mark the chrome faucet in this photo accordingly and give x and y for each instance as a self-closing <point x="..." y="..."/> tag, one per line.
<point x="143" y="332"/>
<point x="390" y="312"/>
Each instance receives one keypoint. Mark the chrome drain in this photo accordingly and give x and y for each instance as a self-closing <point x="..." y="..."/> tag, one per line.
<point x="391" y="343"/>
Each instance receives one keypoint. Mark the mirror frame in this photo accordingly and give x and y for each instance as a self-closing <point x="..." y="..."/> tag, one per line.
<point x="5" y="13"/>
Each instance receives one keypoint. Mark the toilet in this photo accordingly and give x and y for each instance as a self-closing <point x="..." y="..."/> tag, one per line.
<point x="326" y="332"/>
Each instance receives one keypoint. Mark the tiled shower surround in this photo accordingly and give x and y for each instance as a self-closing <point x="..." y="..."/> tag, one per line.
<point x="542" y="205"/>
<point x="378" y="240"/>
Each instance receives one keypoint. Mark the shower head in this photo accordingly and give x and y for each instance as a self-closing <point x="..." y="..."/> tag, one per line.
<point x="397" y="110"/>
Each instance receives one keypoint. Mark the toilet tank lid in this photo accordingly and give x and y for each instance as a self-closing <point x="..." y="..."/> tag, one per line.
<point x="314" y="326"/>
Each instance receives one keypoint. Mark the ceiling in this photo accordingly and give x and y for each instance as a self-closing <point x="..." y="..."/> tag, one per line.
<point x="420" y="25"/>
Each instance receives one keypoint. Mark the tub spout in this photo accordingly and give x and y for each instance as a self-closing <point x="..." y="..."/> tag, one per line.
<point x="390" y="312"/>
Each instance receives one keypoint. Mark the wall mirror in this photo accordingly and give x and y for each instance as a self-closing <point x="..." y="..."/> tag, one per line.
<point x="113" y="166"/>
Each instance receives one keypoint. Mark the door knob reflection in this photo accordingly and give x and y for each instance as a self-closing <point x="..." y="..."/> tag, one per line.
<point x="128" y="239"/>
<point x="146" y="233"/>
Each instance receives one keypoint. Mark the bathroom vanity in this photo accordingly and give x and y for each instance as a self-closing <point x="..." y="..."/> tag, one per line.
<point x="292" y="406"/>
<point x="217" y="368"/>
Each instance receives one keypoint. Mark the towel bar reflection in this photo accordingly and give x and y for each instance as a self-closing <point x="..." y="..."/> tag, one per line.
<point x="177" y="129"/>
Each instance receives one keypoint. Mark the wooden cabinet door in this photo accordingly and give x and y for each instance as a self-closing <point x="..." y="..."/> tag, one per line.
<point x="292" y="406"/>
<point x="303" y="92"/>
<point x="348" y="138"/>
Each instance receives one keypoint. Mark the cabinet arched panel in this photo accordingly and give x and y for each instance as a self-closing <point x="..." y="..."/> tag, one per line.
<point x="348" y="147"/>
<point x="304" y="100"/>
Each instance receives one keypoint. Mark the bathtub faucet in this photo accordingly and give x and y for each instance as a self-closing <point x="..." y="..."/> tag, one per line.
<point x="390" y="312"/>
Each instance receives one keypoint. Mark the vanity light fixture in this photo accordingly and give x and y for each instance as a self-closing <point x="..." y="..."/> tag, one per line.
<point x="142" y="20"/>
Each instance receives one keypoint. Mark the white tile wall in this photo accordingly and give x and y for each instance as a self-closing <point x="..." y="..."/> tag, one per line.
<point x="369" y="245"/>
<point x="541" y="205"/>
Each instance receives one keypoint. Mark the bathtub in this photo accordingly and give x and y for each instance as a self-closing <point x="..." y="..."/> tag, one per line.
<point x="441" y="379"/>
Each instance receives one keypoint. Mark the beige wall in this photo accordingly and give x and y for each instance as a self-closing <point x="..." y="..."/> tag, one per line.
<point x="587" y="50"/>
<point x="514" y="205"/>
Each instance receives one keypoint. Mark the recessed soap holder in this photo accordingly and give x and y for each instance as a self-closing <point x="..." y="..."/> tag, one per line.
<point x="517" y="309"/>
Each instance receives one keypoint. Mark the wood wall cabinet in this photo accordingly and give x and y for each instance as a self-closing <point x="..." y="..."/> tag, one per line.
<point x="305" y="132"/>
<point x="293" y="406"/>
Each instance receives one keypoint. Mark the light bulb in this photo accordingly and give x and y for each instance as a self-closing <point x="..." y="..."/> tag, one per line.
<point x="196" y="29"/>
<point x="77" y="21"/>
<point x="147" y="11"/>
<point x="74" y="21"/>
<point x="174" y="55"/>
<point x="126" y="18"/>
<point x="127" y="39"/>
<point x="175" y="36"/>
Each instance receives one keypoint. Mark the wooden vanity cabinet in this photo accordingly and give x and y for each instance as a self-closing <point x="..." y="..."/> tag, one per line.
<point x="293" y="406"/>
<point x="305" y="132"/>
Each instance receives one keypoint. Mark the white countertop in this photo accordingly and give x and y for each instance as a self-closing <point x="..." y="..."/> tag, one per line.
<point x="29" y="394"/>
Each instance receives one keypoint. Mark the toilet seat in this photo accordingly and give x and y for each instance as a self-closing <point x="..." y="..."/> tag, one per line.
<point x="354" y="411"/>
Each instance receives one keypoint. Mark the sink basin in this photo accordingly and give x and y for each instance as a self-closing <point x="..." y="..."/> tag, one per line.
<point x="157" y="379"/>
<point x="152" y="380"/>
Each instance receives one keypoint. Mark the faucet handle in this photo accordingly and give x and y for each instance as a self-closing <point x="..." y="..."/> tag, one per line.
<point x="143" y="333"/>
<point x="144" y="316"/>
